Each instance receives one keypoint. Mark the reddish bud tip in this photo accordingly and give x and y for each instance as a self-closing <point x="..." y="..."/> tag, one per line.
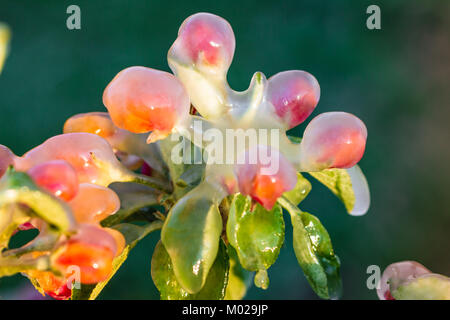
<point x="265" y="175"/>
<point x="205" y="39"/>
<point x="57" y="177"/>
<point x="333" y="140"/>
<point x="294" y="95"/>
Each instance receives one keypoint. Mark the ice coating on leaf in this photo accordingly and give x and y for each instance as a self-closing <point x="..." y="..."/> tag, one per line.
<point x="83" y="151"/>
<point x="264" y="174"/>
<point x="396" y="274"/>
<point x="141" y="99"/>
<point x="294" y="95"/>
<point x="191" y="235"/>
<point x="205" y="40"/>
<point x="333" y="140"/>
<point x="361" y="191"/>
<point x="94" y="203"/>
<point x="56" y="176"/>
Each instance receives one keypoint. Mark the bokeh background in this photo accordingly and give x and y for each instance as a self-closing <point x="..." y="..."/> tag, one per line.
<point x="395" y="79"/>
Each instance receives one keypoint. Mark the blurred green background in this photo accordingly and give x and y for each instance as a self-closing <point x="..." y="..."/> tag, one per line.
<point x="395" y="79"/>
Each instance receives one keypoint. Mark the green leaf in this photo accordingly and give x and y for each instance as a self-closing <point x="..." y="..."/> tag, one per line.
<point x="300" y="191"/>
<point x="257" y="235"/>
<point x="191" y="235"/>
<point x="170" y="289"/>
<point x="133" y="197"/>
<point x="426" y="287"/>
<point x="340" y="183"/>
<point x="133" y="234"/>
<point x="239" y="279"/>
<point x="314" y="252"/>
<point x="18" y="188"/>
<point x="321" y="242"/>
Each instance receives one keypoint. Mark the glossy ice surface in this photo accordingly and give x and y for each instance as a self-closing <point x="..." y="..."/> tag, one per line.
<point x="6" y="159"/>
<point x="83" y="151"/>
<point x="141" y="99"/>
<point x="205" y="40"/>
<point x="294" y="95"/>
<point x="333" y="140"/>
<point x="93" y="203"/>
<point x="267" y="178"/>
<point x="56" y="176"/>
<point x="98" y="123"/>
<point x="92" y="250"/>
<point x="398" y="273"/>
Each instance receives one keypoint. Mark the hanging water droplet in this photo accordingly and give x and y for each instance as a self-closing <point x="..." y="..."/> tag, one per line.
<point x="262" y="279"/>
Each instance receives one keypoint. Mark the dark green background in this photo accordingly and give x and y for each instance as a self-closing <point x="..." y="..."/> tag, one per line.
<point x="395" y="79"/>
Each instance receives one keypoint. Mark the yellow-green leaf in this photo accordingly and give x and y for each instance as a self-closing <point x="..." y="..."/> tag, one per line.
<point x="300" y="191"/>
<point x="426" y="287"/>
<point x="339" y="182"/>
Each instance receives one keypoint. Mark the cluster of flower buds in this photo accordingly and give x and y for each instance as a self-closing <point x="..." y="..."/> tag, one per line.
<point x="143" y="100"/>
<point x="147" y="108"/>
<point x="76" y="169"/>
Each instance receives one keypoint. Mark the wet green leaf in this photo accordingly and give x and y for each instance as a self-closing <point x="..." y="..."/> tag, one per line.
<point x="321" y="242"/>
<point x="165" y="280"/>
<point x="191" y="237"/>
<point x="314" y="252"/>
<point x="300" y="191"/>
<point x="427" y="287"/>
<point x="239" y="279"/>
<point x="257" y="235"/>
<point x="340" y="183"/>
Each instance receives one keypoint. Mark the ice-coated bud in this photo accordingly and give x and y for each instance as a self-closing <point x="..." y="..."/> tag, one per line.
<point x="57" y="177"/>
<point x="90" y="155"/>
<point x="7" y="159"/>
<point x="98" y="123"/>
<point x="204" y="40"/>
<point x="333" y="140"/>
<point x="264" y="174"/>
<point x="396" y="274"/>
<point x="92" y="249"/>
<point x="141" y="99"/>
<point x="94" y="203"/>
<point x="294" y="95"/>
